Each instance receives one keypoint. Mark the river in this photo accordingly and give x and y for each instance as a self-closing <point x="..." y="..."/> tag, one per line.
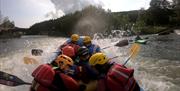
<point x="157" y="65"/>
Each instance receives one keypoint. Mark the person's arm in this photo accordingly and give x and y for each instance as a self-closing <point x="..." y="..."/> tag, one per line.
<point x="98" y="49"/>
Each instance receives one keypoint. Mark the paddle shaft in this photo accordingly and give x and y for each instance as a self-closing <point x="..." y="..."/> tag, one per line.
<point x="38" y="52"/>
<point x="127" y="60"/>
<point x="134" y="49"/>
<point x="107" y="47"/>
<point x="11" y="80"/>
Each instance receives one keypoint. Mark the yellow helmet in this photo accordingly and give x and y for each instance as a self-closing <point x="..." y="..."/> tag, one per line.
<point x="98" y="58"/>
<point x="87" y="39"/>
<point x="64" y="61"/>
<point x="74" y="37"/>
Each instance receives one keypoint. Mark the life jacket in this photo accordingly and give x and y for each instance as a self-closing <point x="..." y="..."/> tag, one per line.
<point x="87" y="73"/>
<point x="47" y="79"/>
<point x="70" y="83"/>
<point x="93" y="48"/>
<point x="120" y="78"/>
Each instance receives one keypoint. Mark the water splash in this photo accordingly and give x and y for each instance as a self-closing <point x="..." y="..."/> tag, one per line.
<point x="153" y="73"/>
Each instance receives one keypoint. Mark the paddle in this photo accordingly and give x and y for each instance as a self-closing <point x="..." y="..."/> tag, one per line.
<point x="28" y="60"/>
<point x="11" y="80"/>
<point x="133" y="52"/>
<point x="38" y="52"/>
<point x="168" y="31"/>
<point x="121" y="43"/>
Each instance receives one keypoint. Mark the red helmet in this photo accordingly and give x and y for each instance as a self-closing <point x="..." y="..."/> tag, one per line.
<point x="68" y="51"/>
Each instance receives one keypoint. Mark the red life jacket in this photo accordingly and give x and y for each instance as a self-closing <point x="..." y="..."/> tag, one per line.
<point x="118" y="78"/>
<point x="44" y="77"/>
<point x="70" y="83"/>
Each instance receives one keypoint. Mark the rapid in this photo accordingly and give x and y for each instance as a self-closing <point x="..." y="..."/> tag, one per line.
<point x="157" y="65"/>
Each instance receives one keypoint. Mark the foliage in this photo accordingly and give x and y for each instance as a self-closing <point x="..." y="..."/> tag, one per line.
<point x="89" y="19"/>
<point x="161" y="15"/>
<point x="6" y="23"/>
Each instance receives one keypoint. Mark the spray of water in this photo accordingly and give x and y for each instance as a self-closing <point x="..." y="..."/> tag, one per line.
<point x="89" y="24"/>
<point x="153" y="74"/>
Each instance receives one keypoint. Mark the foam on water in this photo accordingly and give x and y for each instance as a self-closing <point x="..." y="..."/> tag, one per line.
<point x="152" y="70"/>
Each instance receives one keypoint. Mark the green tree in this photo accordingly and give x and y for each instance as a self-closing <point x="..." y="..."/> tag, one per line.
<point x="163" y="4"/>
<point x="159" y="12"/>
<point x="176" y="5"/>
<point x="7" y="23"/>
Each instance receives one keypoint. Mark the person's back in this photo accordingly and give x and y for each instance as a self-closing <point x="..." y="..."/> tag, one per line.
<point x="82" y="61"/>
<point x="113" y="77"/>
<point x="49" y="78"/>
<point x="120" y="78"/>
<point x="93" y="48"/>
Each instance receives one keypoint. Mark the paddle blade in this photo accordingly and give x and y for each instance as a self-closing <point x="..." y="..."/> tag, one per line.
<point x="36" y="52"/>
<point x="122" y="43"/>
<point x="134" y="50"/>
<point x="28" y="60"/>
<point x="11" y="80"/>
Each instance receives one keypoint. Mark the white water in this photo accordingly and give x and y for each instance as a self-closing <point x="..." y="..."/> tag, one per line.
<point x="157" y="66"/>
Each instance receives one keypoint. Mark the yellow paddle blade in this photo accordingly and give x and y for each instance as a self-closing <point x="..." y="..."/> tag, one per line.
<point x="28" y="60"/>
<point x="133" y="47"/>
<point x="134" y="50"/>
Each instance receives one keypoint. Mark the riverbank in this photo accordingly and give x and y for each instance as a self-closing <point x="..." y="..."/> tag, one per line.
<point x="161" y="30"/>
